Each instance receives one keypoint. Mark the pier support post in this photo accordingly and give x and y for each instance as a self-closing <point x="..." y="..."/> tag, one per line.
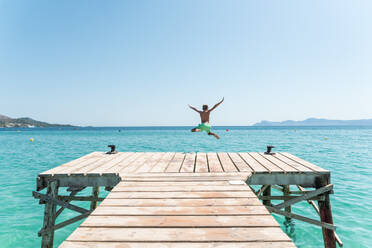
<point x="286" y="193"/>
<point x="49" y="216"/>
<point x="325" y="213"/>
<point x="95" y="193"/>
<point x="267" y="192"/>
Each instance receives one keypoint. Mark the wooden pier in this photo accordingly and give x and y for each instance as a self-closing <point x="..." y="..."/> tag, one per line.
<point x="184" y="199"/>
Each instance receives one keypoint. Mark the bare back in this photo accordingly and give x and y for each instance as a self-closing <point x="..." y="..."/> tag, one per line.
<point x="204" y="116"/>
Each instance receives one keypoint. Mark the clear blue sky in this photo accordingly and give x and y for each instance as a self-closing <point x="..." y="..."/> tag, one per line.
<point x="141" y="62"/>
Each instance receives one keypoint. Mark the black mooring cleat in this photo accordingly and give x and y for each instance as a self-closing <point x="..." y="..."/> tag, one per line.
<point x="268" y="151"/>
<point x="113" y="151"/>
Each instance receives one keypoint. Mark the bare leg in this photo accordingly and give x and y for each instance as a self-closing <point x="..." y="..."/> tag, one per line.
<point x="215" y="135"/>
<point x="195" y="130"/>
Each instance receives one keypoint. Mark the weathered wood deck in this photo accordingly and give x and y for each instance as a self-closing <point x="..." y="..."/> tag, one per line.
<point x="180" y="212"/>
<point x="183" y="199"/>
<point x="101" y="169"/>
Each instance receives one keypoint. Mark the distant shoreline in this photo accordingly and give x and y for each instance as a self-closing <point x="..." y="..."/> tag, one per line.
<point x="317" y="122"/>
<point x="178" y="128"/>
<point x="26" y="122"/>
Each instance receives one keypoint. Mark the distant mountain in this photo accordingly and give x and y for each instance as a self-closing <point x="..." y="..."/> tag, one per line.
<point x="6" y="121"/>
<point x="317" y="122"/>
<point x="3" y="117"/>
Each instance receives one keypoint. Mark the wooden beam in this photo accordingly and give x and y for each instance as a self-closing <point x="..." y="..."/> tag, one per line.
<point x="75" y="189"/>
<point x="312" y="203"/>
<point x="325" y="213"/>
<point x="263" y="188"/>
<point x="64" y="223"/>
<point x="60" y="210"/>
<point x="267" y="192"/>
<point x="305" y="196"/>
<point x="95" y="194"/>
<point x="288" y="209"/>
<point x="49" y="215"/>
<point x="79" y="198"/>
<point x="290" y="178"/>
<point x="279" y="188"/>
<point x="51" y="199"/>
<point x="302" y="218"/>
<point x="79" y="180"/>
<point x="289" y="197"/>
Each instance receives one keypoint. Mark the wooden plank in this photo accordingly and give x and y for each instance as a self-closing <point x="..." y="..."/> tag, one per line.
<point x="292" y="163"/>
<point x="174" y="195"/>
<point x="125" y="163"/>
<point x="227" y="164"/>
<point x="201" y="164"/>
<point x="181" y="221"/>
<point x="239" y="162"/>
<point x="214" y="162"/>
<point x="189" y="163"/>
<point x="72" y="163"/>
<point x="195" y="175"/>
<point x="107" y="159"/>
<point x="180" y="179"/>
<point x="176" y="163"/>
<point x="178" y="234"/>
<point x="169" y="177"/>
<point x="253" y="244"/>
<point x="285" y="167"/>
<point x="108" y="166"/>
<point x="68" y="170"/>
<point x="133" y="166"/>
<point x="146" y="167"/>
<point x="267" y="164"/>
<point x="186" y="211"/>
<point x="304" y="162"/>
<point x="121" y="187"/>
<point x="251" y="201"/>
<point x="256" y="166"/>
<point x="163" y="163"/>
<point x="162" y="183"/>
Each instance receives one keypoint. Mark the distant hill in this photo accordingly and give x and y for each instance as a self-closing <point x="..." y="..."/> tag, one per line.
<point x="6" y="121"/>
<point x="3" y="118"/>
<point x="317" y="122"/>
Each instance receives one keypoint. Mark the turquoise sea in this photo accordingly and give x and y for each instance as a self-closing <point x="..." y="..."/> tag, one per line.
<point x="346" y="151"/>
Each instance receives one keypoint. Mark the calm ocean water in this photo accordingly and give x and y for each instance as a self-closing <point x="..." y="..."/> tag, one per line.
<point x="346" y="151"/>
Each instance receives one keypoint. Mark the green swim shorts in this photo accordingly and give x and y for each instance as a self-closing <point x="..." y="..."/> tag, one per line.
<point x="204" y="127"/>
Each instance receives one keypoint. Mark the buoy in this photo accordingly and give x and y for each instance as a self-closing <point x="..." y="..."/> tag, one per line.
<point x="32" y="139"/>
<point x="325" y="138"/>
<point x="227" y="130"/>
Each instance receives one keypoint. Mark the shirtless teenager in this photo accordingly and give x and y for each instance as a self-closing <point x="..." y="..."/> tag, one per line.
<point x="204" y="116"/>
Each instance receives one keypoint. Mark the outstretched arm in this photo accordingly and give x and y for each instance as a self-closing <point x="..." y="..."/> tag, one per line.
<point x="215" y="106"/>
<point x="194" y="108"/>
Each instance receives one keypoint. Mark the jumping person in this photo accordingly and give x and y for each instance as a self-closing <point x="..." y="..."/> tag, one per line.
<point x="204" y="116"/>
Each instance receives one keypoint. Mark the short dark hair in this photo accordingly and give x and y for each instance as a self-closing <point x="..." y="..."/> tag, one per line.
<point x="205" y="107"/>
